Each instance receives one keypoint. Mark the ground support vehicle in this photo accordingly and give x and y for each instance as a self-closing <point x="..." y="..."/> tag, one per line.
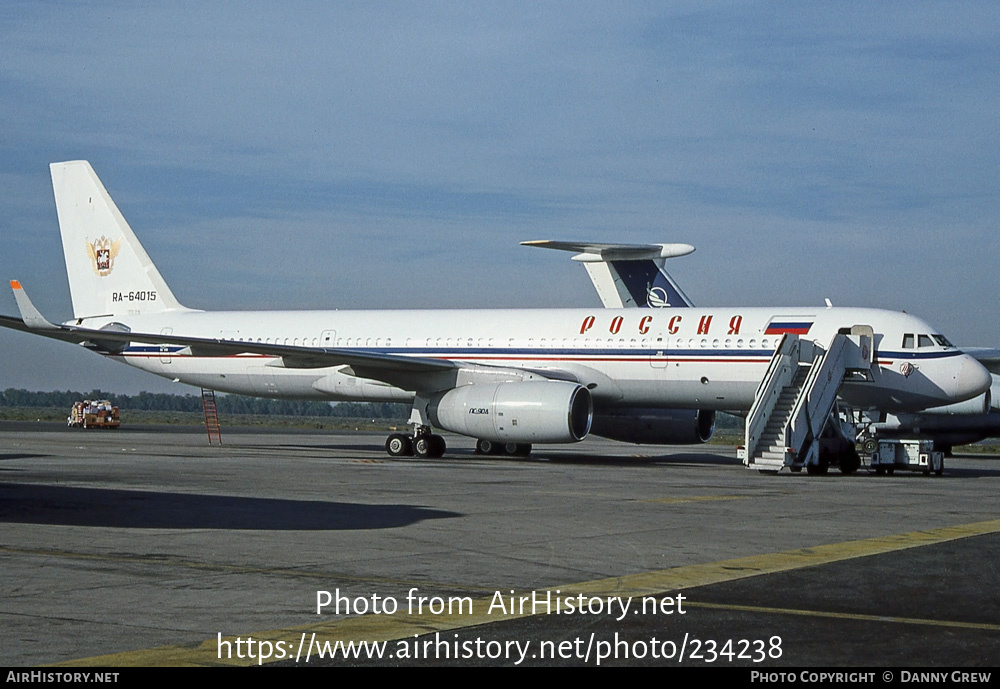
<point x="93" y="414"/>
<point x="916" y="455"/>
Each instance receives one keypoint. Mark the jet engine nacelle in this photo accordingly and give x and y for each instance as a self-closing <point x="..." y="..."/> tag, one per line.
<point x="656" y="426"/>
<point x="109" y="346"/>
<point x="525" y="412"/>
<point x="977" y="405"/>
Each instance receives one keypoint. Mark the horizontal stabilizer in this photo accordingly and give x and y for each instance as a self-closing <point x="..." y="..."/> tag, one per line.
<point x="594" y="251"/>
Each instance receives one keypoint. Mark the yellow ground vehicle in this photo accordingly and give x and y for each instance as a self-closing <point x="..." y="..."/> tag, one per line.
<point x="93" y="414"/>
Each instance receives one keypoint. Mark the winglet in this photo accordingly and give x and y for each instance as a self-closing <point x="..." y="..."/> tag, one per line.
<point x="31" y="316"/>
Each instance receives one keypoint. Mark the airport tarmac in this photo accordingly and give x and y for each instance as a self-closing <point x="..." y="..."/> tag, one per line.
<point x="146" y="547"/>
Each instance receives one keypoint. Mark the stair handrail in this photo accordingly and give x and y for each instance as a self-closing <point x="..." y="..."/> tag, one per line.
<point x="779" y="373"/>
<point x="819" y="393"/>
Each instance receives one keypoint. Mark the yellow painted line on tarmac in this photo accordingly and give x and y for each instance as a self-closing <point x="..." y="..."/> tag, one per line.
<point x="846" y="616"/>
<point x="404" y="625"/>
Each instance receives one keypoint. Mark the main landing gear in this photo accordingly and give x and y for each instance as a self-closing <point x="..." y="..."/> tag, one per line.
<point x="491" y="447"/>
<point x="423" y="444"/>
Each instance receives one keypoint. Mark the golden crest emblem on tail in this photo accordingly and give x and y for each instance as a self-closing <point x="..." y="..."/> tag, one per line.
<point x="102" y="254"/>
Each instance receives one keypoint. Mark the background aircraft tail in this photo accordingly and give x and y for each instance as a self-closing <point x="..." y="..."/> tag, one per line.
<point x="627" y="275"/>
<point x="110" y="274"/>
<point x="642" y="283"/>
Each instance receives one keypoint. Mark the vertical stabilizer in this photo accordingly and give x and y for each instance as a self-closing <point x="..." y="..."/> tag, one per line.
<point x="627" y="275"/>
<point x="642" y="283"/>
<point x="110" y="274"/>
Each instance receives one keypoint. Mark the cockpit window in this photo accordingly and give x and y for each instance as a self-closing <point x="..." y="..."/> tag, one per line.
<point x="943" y="341"/>
<point x="924" y="341"/>
<point x="908" y="341"/>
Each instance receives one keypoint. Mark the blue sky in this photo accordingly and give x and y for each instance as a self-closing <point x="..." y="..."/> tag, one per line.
<point x="392" y="155"/>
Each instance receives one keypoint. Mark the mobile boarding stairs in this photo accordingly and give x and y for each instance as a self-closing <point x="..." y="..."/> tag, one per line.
<point x="797" y="398"/>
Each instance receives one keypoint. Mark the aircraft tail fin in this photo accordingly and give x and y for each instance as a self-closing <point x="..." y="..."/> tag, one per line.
<point x="628" y="275"/>
<point x="642" y="283"/>
<point x="110" y="274"/>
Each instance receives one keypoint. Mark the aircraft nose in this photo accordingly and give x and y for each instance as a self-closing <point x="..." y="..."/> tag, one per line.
<point x="973" y="379"/>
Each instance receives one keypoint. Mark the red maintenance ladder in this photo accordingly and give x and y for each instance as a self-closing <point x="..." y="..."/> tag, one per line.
<point x="211" y="415"/>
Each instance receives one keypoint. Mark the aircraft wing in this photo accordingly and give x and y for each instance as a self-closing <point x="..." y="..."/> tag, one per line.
<point x="19" y="324"/>
<point x="990" y="358"/>
<point x="292" y="356"/>
<point x="406" y="372"/>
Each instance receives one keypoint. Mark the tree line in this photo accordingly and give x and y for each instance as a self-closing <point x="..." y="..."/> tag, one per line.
<point x="227" y="404"/>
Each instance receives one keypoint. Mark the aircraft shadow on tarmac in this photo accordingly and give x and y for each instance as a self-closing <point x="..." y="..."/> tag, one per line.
<point x="540" y="454"/>
<point x="19" y="455"/>
<point x="689" y="459"/>
<point x="639" y="460"/>
<point x="101" y="507"/>
<point x="339" y="447"/>
<point x="571" y="457"/>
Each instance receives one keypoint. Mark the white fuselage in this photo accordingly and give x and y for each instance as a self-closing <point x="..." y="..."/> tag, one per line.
<point x="690" y="358"/>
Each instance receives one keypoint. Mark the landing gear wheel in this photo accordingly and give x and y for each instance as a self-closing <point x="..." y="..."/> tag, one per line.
<point x="422" y="446"/>
<point x="488" y="447"/>
<point x="517" y="449"/>
<point x="399" y="445"/>
<point x="428" y="446"/>
<point x="438" y="446"/>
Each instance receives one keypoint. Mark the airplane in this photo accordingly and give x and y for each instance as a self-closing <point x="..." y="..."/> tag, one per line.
<point x="628" y="275"/>
<point x="508" y="378"/>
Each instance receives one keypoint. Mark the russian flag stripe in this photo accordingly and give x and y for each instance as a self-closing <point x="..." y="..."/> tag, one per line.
<point x="782" y="327"/>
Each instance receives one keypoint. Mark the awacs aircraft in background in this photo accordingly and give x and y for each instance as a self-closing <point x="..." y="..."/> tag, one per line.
<point x="631" y="275"/>
<point x="508" y="378"/>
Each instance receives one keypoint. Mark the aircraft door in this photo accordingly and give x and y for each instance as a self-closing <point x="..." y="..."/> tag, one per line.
<point x="869" y="332"/>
